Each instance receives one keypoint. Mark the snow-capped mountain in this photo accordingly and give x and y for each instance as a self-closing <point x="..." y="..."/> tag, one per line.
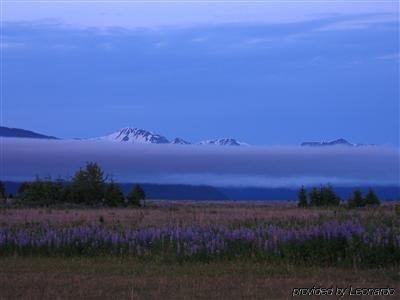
<point x="338" y="142"/>
<point x="135" y="136"/>
<point x="222" y="142"/>
<point x="179" y="141"/>
<point x="141" y="136"/>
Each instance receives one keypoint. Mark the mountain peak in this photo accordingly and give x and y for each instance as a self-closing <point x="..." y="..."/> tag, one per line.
<point x="179" y="141"/>
<point x="136" y="136"/>
<point x="140" y="136"/>
<point x="222" y="142"/>
<point x="337" y="142"/>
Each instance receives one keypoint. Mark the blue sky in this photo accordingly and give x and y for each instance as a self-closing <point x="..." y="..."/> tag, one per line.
<point x="264" y="74"/>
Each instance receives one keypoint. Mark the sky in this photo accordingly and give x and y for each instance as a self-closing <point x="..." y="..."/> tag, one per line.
<point x="271" y="73"/>
<point x="261" y="166"/>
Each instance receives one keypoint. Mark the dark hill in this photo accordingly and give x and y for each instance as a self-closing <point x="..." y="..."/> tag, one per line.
<point x="22" y="133"/>
<point x="201" y="192"/>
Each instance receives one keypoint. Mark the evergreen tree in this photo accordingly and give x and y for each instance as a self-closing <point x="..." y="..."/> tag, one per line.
<point x="136" y="195"/>
<point x="88" y="185"/>
<point x="113" y="195"/>
<point x="356" y="200"/>
<point x="315" y="197"/>
<point x="302" y="196"/>
<point x="23" y="187"/>
<point x="40" y="191"/>
<point x="371" y="198"/>
<point x="3" y="193"/>
<point x="328" y="196"/>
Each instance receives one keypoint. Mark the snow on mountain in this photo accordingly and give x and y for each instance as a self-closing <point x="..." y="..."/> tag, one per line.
<point x="179" y="141"/>
<point x="141" y="136"/>
<point x="135" y="136"/>
<point x="222" y="142"/>
<point x="338" y="142"/>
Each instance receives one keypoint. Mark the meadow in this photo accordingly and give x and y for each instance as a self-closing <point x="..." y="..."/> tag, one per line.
<point x="204" y="250"/>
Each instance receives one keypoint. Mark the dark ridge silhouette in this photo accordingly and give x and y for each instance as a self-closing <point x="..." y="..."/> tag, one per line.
<point x="203" y="192"/>
<point x="22" y="133"/>
<point x="338" y="142"/>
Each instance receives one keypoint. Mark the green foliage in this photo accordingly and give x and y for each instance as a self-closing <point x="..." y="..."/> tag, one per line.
<point x="23" y="187"/>
<point x="41" y="191"/>
<point x="113" y="195"/>
<point x="88" y="185"/>
<point x="315" y="197"/>
<point x="302" y="196"/>
<point x="136" y="195"/>
<point x="356" y="200"/>
<point x="397" y="209"/>
<point x="328" y="196"/>
<point x="324" y="196"/>
<point x="371" y="198"/>
<point x="3" y="193"/>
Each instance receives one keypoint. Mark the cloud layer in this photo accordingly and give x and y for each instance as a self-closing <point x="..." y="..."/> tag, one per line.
<point x="224" y="166"/>
<point x="158" y="14"/>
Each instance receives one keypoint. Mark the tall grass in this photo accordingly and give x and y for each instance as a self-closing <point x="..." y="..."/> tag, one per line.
<point x="330" y="242"/>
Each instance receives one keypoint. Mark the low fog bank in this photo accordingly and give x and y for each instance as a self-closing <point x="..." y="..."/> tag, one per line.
<point x="275" y="166"/>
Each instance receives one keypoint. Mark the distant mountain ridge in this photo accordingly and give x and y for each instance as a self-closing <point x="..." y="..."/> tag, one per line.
<point x="22" y="133"/>
<point x="204" y="192"/>
<point x="134" y="136"/>
<point x="338" y="142"/>
<point x="141" y="136"/>
<point x="179" y="141"/>
<point x="222" y="142"/>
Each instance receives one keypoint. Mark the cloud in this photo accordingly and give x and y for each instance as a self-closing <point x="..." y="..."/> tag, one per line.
<point x="391" y="56"/>
<point x="160" y="44"/>
<point x="153" y="15"/>
<point x="11" y="45"/>
<point x="234" y="166"/>
<point x="106" y="46"/>
<point x="199" y="39"/>
<point x="64" y="47"/>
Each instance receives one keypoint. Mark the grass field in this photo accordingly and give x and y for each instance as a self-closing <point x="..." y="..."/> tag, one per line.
<point x="159" y="213"/>
<point x="57" y="276"/>
<point x="110" y="278"/>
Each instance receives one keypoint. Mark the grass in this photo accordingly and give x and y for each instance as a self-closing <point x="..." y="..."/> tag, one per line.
<point x="111" y="278"/>
<point x="129" y="277"/>
<point x="160" y="213"/>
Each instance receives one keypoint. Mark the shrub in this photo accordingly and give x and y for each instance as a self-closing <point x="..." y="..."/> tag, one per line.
<point x="113" y="195"/>
<point x="356" y="200"/>
<point x="328" y="196"/>
<point x="88" y="185"/>
<point x="397" y="209"/>
<point x="324" y="196"/>
<point x="302" y="196"/>
<point x="371" y="198"/>
<point x="23" y="187"/>
<point x="315" y="197"/>
<point x="41" y="191"/>
<point x="136" y="195"/>
<point x="3" y="193"/>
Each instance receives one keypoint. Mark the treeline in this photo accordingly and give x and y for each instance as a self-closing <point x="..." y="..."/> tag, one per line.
<point x="326" y="196"/>
<point x="88" y="187"/>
